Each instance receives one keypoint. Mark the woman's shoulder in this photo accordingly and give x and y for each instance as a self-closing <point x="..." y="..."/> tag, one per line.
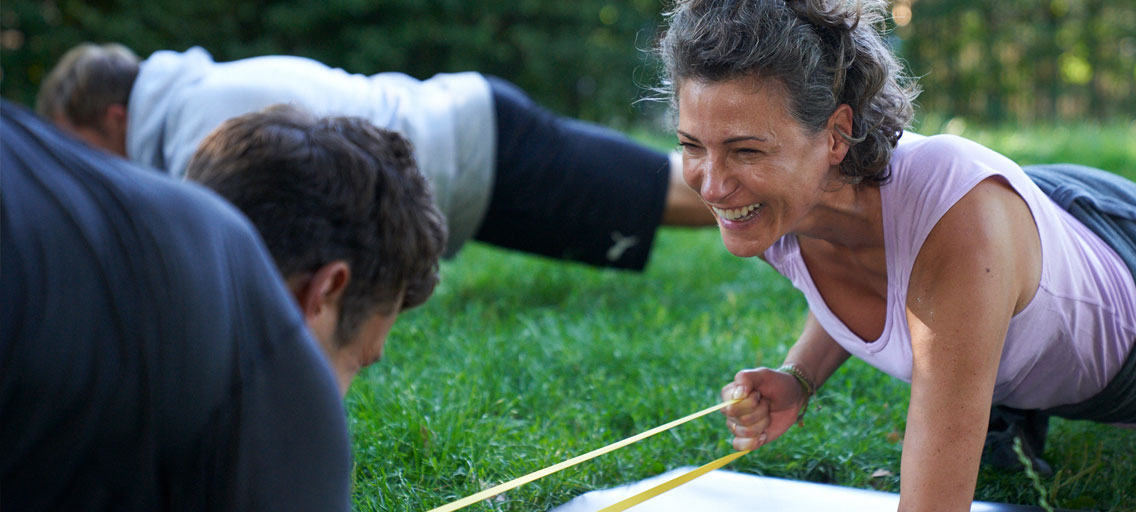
<point x="945" y="157"/>
<point x="943" y="147"/>
<point x="930" y="175"/>
<point x="947" y="149"/>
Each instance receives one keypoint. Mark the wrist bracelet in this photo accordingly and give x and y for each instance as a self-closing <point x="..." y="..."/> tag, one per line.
<point x="806" y="386"/>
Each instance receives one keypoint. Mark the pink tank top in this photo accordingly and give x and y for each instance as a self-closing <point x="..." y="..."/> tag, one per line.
<point x="1062" y="348"/>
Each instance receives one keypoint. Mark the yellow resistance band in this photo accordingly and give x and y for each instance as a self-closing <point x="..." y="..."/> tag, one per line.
<point x="672" y="483"/>
<point x="512" y="484"/>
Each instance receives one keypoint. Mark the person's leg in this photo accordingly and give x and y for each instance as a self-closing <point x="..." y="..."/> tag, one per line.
<point x="684" y="206"/>
<point x="572" y="190"/>
<point x="1006" y="424"/>
<point x="1116" y="403"/>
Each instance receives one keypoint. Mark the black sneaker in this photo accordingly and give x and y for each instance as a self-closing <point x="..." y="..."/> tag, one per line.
<point x="998" y="453"/>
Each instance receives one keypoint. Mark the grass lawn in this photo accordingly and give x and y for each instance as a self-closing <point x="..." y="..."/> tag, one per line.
<point x="519" y="362"/>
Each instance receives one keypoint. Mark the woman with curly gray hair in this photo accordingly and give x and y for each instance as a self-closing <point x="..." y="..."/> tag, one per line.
<point x="934" y="259"/>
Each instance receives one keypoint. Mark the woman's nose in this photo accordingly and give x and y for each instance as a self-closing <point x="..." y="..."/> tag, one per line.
<point x="717" y="181"/>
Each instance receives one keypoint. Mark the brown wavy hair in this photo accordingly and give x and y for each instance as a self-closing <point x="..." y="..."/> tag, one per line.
<point x="326" y="189"/>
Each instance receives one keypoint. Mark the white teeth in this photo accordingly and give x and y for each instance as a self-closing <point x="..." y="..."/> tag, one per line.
<point x="736" y="213"/>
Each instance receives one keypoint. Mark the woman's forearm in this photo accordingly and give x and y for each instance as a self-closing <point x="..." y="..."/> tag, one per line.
<point x="816" y="354"/>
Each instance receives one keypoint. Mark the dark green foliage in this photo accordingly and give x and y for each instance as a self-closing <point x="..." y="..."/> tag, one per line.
<point x="1016" y="60"/>
<point x="1023" y="60"/>
<point x="578" y="58"/>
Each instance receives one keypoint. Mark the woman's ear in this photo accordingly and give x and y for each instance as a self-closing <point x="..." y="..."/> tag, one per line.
<point x="839" y="127"/>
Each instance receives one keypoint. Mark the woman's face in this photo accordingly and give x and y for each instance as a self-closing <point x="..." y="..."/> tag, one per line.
<point x="757" y="168"/>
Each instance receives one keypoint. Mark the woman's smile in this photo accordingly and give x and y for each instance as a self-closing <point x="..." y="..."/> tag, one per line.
<point x="737" y="215"/>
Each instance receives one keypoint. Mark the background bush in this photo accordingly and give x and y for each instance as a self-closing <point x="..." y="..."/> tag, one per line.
<point x="578" y="58"/>
<point x="1012" y="60"/>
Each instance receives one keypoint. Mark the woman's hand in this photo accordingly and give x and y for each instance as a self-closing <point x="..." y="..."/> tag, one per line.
<point x="771" y="401"/>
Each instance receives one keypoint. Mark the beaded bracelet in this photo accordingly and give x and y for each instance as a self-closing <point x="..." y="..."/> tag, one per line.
<point x="806" y="385"/>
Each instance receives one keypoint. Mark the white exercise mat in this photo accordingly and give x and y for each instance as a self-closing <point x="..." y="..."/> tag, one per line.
<point x="725" y="491"/>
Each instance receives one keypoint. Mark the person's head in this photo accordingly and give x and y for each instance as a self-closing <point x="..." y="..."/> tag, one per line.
<point x="87" y="93"/>
<point x="347" y="216"/>
<point x="807" y="87"/>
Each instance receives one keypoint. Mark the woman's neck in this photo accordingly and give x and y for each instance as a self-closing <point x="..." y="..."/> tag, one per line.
<point x="849" y="216"/>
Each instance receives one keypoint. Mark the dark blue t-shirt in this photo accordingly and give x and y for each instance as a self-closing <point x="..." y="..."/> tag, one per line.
<point x="150" y="356"/>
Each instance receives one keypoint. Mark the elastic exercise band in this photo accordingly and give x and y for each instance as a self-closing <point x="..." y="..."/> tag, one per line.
<point x="672" y="483"/>
<point x="493" y="491"/>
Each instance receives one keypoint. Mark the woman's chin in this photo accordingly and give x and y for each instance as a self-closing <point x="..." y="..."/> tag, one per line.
<point x="743" y="248"/>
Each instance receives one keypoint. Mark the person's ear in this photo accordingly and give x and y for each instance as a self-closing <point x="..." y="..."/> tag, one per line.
<point x="839" y="127"/>
<point x="318" y="295"/>
<point x="115" y="115"/>
<point x="323" y="290"/>
<point x="114" y="128"/>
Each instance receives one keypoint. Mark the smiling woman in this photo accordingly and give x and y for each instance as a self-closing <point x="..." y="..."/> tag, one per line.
<point x="757" y="169"/>
<point x="934" y="259"/>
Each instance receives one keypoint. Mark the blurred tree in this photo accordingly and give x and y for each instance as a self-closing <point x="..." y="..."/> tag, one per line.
<point x="580" y="58"/>
<point x="1023" y="60"/>
<point x="1013" y="60"/>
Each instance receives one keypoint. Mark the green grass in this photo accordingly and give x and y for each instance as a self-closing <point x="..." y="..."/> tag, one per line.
<point x="1110" y="146"/>
<point x="519" y="362"/>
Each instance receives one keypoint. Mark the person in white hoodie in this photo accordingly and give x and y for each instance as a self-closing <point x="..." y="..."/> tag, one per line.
<point x="504" y="170"/>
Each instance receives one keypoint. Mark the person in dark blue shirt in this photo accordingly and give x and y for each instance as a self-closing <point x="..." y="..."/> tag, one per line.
<point x="150" y="356"/>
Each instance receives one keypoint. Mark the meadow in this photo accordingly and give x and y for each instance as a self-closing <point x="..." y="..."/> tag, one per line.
<point x="519" y="362"/>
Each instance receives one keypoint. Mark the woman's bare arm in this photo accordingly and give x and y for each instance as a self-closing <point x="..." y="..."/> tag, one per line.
<point x="816" y="353"/>
<point x="974" y="272"/>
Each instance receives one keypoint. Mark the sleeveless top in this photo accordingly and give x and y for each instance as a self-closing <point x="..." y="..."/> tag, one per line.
<point x="1062" y="348"/>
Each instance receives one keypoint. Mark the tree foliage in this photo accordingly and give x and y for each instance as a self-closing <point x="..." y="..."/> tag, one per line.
<point x="1023" y="60"/>
<point x="1020" y="60"/>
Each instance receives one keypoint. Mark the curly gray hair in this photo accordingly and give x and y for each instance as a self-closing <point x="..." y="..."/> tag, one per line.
<point x="824" y="53"/>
